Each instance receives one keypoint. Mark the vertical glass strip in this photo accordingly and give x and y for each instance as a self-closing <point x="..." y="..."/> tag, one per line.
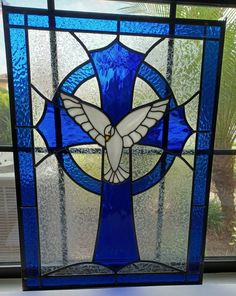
<point x="30" y="242"/>
<point x="20" y="76"/>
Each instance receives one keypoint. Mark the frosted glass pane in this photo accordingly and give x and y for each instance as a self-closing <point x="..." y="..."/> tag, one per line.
<point x="144" y="159"/>
<point x="40" y="61"/>
<point x="82" y="214"/>
<point x="143" y="93"/>
<point x="186" y="70"/>
<point x="89" y="92"/>
<point x="38" y="105"/>
<point x="173" y="236"/>
<point x="146" y="213"/>
<point x="70" y="54"/>
<point x="40" y="147"/>
<point x="141" y="44"/>
<point x="90" y="165"/>
<point x="50" y="210"/>
<point x="60" y="199"/>
<point x="95" y="41"/>
<point x="158" y="57"/>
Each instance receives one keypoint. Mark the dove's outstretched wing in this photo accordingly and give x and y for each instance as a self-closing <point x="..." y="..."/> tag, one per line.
<point x="89" y="117"/>
<point x="135" y="125"/>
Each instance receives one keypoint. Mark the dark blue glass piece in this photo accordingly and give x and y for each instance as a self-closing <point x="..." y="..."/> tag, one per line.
<point x="156" y="174"/>
<point x="86" y="24"/>
<point x="116" y="243"/>
<point x="193" y="278"/>
<point x="20" y="77"/>
<point x="32" y="283"/>
<point x="213" y="32"/>
<point x="77" y="78"/>
<point x="39" y="21"/>
<point x="77" y="281"/>
<point x="157" y="81"/>
<point x="195" y="259"/>
<point x="204" y="142"/>
<point x="151" y="278"/>
<point x="200" y="180"/>
<point x="116" y="68"/>
<point x="189" y="30"/>
<point x="31" y="243"/>
<point x="26" y="175"/>
<point x="16" y="19"/>
<point x="24" y="138"/>
<point x="71" y="133"/>
<point x="209" y="85"/>
<point x="146" y="28"/>
<point x="178" y="132"/>
<point x="78" y="174"/>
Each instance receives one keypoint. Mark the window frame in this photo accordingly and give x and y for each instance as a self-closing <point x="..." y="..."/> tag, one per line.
<point x="212" y="264"/>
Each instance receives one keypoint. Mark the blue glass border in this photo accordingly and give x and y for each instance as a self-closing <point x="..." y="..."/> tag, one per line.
<point x="29" y="223"/>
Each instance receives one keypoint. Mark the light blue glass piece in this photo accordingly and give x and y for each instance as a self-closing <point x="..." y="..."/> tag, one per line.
<point x="24" y="137"/>
<point x="20" y="76"/>
<point x="146" y="28"/>
<point x="86" y="24"/>
<point x="38" y="21"/>
<point x="16" y="19"/>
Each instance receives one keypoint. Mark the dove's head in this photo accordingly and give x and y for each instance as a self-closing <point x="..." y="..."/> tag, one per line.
<point x="109" y="132"/>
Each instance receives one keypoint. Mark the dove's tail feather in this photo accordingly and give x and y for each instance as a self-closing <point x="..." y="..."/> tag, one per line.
<point x="118" y="176"/>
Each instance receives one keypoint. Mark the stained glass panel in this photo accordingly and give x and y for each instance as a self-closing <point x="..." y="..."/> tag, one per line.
<point x="107" y="139"/>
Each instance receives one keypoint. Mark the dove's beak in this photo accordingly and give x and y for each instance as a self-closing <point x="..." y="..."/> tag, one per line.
<point x="107" y="138"/>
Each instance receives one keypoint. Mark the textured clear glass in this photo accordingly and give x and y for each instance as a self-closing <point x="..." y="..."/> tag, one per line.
<point x="68" y="218"/>
<point x="144" y="159"/>
<point x="158" y="57"/>
<point x="38" y="105"/>
<point x="175" y="215"/>
<point x="89" y="92"/>
<point x="40" y="61"/>
<point x="40" y="148"/>
<point x="162" y="217"/>
<point x="143" y="93"/>
<point x="138" y="43"/>
<point x="95" y="41"/>
<point x="91" y="165"/>
<point x="70" y="54"/>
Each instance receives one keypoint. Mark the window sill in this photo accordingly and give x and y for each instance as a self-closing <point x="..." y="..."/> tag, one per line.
<point x="221" y="284"/>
